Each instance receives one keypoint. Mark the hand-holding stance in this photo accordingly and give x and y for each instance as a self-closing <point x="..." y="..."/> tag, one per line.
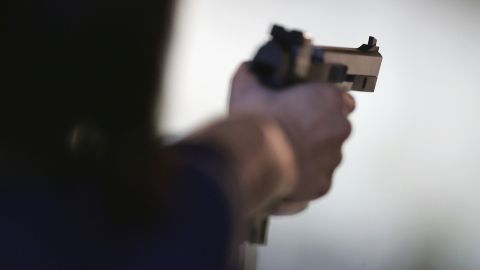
<point x="314" y="118"/>
<point x="287" y="143"/>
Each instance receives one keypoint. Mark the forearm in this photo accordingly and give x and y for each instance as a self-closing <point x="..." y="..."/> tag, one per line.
<point x="261" y="166"/>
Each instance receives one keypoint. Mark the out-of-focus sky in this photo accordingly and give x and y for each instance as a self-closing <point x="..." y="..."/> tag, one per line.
<point x="407" y="195"/>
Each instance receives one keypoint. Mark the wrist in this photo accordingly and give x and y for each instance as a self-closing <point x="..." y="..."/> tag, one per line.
<point x="261" y="159"/>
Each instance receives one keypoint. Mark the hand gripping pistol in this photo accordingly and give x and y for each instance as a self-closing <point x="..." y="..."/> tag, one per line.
<point x="290" y="57"/>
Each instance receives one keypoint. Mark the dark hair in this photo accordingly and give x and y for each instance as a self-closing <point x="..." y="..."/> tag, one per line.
<point x="85" y="65"/>
<point x="80" y="81"/>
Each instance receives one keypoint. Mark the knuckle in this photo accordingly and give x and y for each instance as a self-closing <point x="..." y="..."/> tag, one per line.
<point x="338" y="160"/>
<point x="336" y="98"/>
<point x="349" y="99"/>
<point x="347" y="129"/>
<point x="323" y="189"/>
<point x="344" y="129"/>
<point x="321" y="185"/>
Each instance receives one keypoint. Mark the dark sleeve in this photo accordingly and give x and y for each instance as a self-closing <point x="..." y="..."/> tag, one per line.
<point x="61" y="228"/>
<point x="200" y="227"/>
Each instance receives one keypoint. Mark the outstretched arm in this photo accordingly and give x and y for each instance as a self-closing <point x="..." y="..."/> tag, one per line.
<point x="283" y="147"/>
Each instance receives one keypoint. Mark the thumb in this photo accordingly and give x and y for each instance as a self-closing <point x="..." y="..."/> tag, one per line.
<point x="244" y="79"/>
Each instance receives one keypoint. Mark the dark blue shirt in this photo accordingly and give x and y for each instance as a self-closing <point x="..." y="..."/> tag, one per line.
<point x="61" y="226"/>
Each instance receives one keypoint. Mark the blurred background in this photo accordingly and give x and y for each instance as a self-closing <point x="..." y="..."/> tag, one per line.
<point x="407" y="193"/>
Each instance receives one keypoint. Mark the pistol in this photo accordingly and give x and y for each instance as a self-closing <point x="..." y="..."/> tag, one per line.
<point x="289" y="58"/>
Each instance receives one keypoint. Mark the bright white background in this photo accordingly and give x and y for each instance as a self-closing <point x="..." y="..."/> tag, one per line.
<point x="407" y="195"/>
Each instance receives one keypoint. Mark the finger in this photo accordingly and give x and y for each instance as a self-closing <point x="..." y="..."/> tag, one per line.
<point x="290" y="208"/>
<point x="349" y="103"/>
